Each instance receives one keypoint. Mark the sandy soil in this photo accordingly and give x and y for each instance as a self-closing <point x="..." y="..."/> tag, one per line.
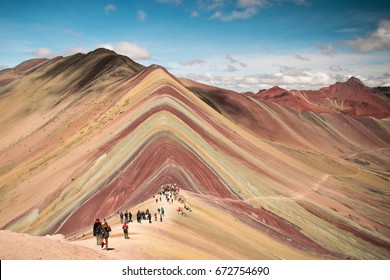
<point x="193" y="236"/>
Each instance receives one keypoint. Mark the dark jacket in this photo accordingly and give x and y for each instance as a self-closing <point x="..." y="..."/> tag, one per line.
<point x="97" y="228"/>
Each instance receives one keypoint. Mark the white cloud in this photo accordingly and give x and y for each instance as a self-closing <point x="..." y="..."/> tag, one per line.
<point x="285" y="70"/>
<point x="225" y="10"/>
<point x="255" y="82"/>
<point x="231" y="68"/>
<point x="131" y="50"/>
<point x="48" y="53"/>
<point x="326" y="50"/>
<point x="335" y="68"/>
<point x="245" y="14"/>
<point x="177" y="2"/>
<point x="305" y="80"/>
<point x="252" y="3"/>
<point x="71" y="51"/>
<point x="232" y="60"/>
<point x="210" y="4"/>
<point x="246" y="9"/>
<point x="141" y="15"/>
<point x="338" y="68"/>
<point x="43" y="52"/>
<point x="372" y="81"/>
<point x="229" y="10"/>
<point x="294" y="71"/>
<point x="109" y="8"/>
<point x="195" y="14"/>
<point x="204" y="77"/>
<point x="192" y="62"/>
<point x="375" y="41"/>
<point x="304" y="58"/>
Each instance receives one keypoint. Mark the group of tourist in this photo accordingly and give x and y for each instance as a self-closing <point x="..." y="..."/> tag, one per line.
<point x="127" y="216"/>
<point x="102" y="230"/>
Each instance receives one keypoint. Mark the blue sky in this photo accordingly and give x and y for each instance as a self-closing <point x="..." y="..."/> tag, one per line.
<point x="244" y="45"/>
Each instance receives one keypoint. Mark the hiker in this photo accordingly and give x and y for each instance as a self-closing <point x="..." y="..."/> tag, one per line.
<point x="139" y="215"/>
<point x="130" y="217"/>
<point x="126" y="217"/>
<point x="161" y="216"/>
<point x="162" y="211"/>
<point x="150" y="218"/>
<point x="97" y="228"/>
<point x="125" y="228"/>
<point x="121" y="216"/>
<point x="105" y="234"/>
<point x="155" y="216"/>
<point x="156" y="200"/>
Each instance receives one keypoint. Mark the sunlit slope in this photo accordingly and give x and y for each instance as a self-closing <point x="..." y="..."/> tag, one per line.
<point x="111" y="145"/>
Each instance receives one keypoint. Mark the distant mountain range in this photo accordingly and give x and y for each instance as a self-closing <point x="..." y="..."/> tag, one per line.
<point x="351" y="98"/>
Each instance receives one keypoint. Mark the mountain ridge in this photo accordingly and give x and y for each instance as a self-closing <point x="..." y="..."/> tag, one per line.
<point x="351" y="97"/>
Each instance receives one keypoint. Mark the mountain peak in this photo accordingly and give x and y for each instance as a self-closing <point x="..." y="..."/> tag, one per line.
<point x="354" y="80"/>
<point x="102" y="51"/>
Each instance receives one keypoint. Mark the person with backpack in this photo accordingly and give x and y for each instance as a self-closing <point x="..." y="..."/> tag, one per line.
<point x="97" y="228"/>
<point x="126" y="217"/>
<point x="125" y="228"/>
<point x="105" y="234"/>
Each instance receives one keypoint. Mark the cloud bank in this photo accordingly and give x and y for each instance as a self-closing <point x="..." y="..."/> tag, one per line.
<point x="378" y="40"/>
